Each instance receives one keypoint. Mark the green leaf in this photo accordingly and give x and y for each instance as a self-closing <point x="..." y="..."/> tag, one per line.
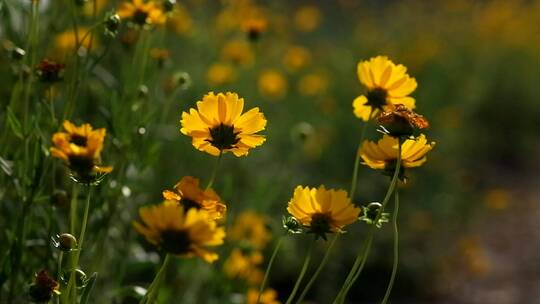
<point x="14" y="123"/>
<point x="88" y="288"/>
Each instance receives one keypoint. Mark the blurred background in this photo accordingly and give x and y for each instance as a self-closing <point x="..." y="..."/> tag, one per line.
<point x="468" y="217"/>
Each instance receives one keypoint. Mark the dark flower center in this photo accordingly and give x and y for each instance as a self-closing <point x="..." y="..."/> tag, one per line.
<point x="377" y="98"/>
<point x="188" y="204"/>
<point x="140" y="17"/>
<point x="223" y="137"/>
<point x="83" y="165"/>
<point x="320" y="224"/>
<point x="175" y="241"/>
<point x="79" y="140"/>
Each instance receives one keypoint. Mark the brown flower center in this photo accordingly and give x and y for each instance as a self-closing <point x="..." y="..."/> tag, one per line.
<point x="140" y="17"/>
<point x="188" y="204"/>
<point x="175" y="241"/>
<point x="79" y="140"/>
<point x="377" y="98"/>
<point x="320" y="224"/>
<point x="223" y="137"/>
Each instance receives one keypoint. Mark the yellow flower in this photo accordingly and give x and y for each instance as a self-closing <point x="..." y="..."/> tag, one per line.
<point x="80" y="148"/>
<point x="238" y="52"/>
<point x="218" y="125"/>
<point x="181" y="232"/>
<point x="66" y="42"/>
<point x="272" y="84"/>
<point x="88" y="8"/>
<point x="313" y="84"/>
<point x="254" y="27"/>
<point x="307" y="18"/>
<point x="240" y="265"/>
<point x="322" y="211"/>
<point x="296" y="58"/>
<point x="220" y="74"/>
<point x="250" y="228"/>
<point x="190" y="195"/>
<point x="383" y="154"/>
<point x="269" y="296"/>
<point x="180" y="21"/>
<point x="142" y="13"/>
<point x="388" y="84"/>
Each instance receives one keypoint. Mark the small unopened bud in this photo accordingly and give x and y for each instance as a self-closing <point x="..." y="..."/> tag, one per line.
<point x="292" y="225"/>
<point x="168" y="5"/>
<point x="143" y="91"/>
<point x="371" y="212"/>
<point x="80" y="278"/>
<point x="65" y="242"/>
<point x="112" y="24"/>
<point x="182" y="80"/>
<point x="301" y="132"/>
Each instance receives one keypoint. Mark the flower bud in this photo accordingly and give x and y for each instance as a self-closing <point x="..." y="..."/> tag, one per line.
<point x="292" y="225"/>
<point x="168" y="5"/>
<point x="371" y="212"/>
<point x="17" y="53"/>
<point x="112" y="24"/>
<point x="65" y="242"/>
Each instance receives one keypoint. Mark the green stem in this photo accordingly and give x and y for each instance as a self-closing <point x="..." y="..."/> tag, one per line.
<point x="354" y="181"/>
<point x="73" y="208"/>
<point x="268" y="268"/>
<point x="319" y="269"/>
<point x="360" y="259"/>
<point x="153" y="290"/>
<point x="59" y="271"/>
<point x="302" y="272"/>
<point x="396" y="249"/>
<point x="214" y="171"/>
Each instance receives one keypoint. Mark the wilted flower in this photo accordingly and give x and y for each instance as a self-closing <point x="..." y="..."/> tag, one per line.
<point x="322" y="211"/>
<point x="401" y="121"/>
<point x="50" y="71"/>
<point x="44" y="288"/>
<point x="189" y="195"/>
<point x="181" y="232"/>
<point x="218" y="125"/>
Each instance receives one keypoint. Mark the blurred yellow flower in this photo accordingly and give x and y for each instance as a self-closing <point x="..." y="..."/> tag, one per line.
<point x="243" y="266"/>
<point x="313" y="84"/>
<point x="322" y="211"/>
<point x="272" y="84"/>
<point x="180" y="21"/>
<point x="220" y="74"/>
<point x="383" y="154"/>
<point x="254" y="27"/>
<point x="66" y="42"/>
<point x="238" y="52"/>
<point x="80" y="148"/>
<point x="497" y="199"/>
<point x="296" y="58"/>
<point x="251" y="229"/>
<point x="88" y="8"/>
<point x="387" y="84"/>
<point x="181" y="232"/>
<point x="218" y="125"/>
<point x="269" y="296"/>
<point x="307" y="18"/>
<point x="190" y="195"/>
<point x="142" y="13"/>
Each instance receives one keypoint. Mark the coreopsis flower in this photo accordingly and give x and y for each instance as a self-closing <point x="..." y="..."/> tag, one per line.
<point x="272" y="84"/>
<point x="387" y="84"/>
<point x="254" y="27"/>
<point x="218" y="125"/>
<point x="80" y="148"/>
<point x="244" y="266"/>
<point x="400" y="121"/>
<point x="181" y="232"/>
<point x="66" y="42"/>
<point x="268" y="296"/>
<point x="220" y="73"/>
<point x="189" y="195"/>
<point x="296" y="58"/>
<point x="307" y="18"/>
<point x="251" y="229"/>
<point x="142" y="13"/>
<point x="238" y="52"/>
<point x="43" y="288"/>
<point x="50" y="71"/>
<point x="383" y="154"/>
<point x="322" y="211"/>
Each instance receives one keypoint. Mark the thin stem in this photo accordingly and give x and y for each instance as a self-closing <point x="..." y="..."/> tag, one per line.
<point x="355" y="270"/>
<point x="354" y="180"/>
<point x="153" y="290"/>
<point x="269" y="267"/>
<point x="73" y="208"/>
<point x="396" y="249"/>
<point x="302" y="272"/>
<point x="319" y="269"/>
<point x="59" y="271"/>
<point x="214" y="172"/>
<point x="85" y="222"/>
